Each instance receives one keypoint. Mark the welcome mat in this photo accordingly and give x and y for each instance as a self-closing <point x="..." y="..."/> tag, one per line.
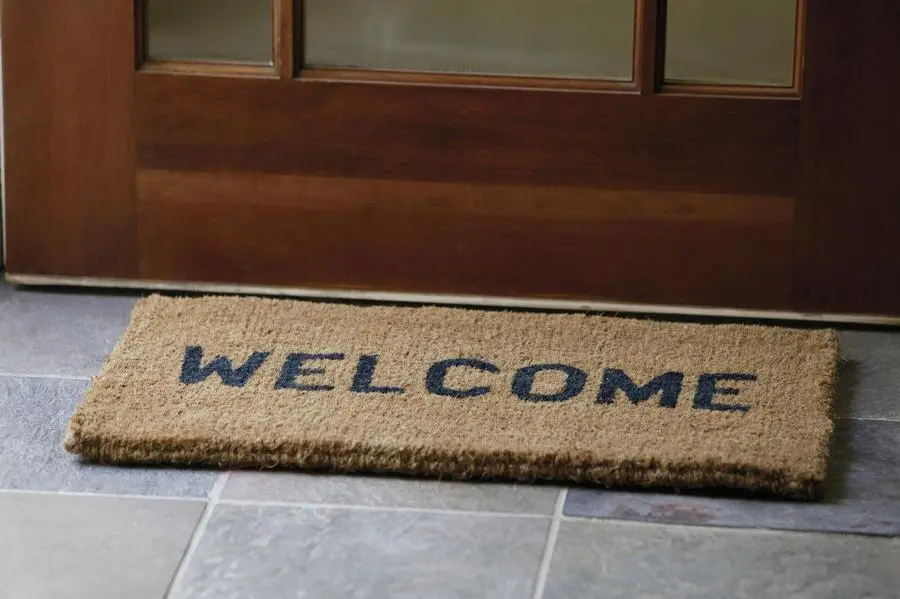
<point x="458" y="393"/>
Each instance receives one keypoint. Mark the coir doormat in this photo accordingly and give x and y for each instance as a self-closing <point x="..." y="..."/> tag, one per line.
<point x="457" y="393"/>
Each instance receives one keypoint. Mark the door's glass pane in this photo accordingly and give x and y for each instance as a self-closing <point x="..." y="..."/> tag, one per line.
<point x="565" y="38"/>
<point x="236" y="31"/>
<point x="738" y="42"/>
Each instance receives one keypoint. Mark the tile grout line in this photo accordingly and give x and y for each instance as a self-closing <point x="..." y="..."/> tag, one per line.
<point x="94" y="495"/>
<point x="376" y="508"/>
<point x="725" y="528"/>
<point x="348" y="507"/>
<point x="53" y="377"/>
<point x="544" y="571"/>
<point x="214" y="492"/>
<point x="867" y="419"/>
<point x="213" y="500"/>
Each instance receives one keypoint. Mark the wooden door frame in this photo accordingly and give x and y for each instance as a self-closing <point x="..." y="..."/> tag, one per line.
<point x="86" y="108"/>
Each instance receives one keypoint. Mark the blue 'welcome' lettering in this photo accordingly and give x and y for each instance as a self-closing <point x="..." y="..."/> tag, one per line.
<point x="523" y="382"/>
<point x="707" y="389"/>
<point x="293" y="369"/>
<point x="667" y="386"/>
<point x="193" y="371"/>
<point x="365" y="374"/>
<point x="434" y="380"/>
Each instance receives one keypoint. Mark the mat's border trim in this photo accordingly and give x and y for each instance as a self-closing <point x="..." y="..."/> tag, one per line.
<point x="458" y="300"/>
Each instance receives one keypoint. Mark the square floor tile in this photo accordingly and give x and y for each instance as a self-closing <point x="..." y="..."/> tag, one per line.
<point x="390" y="492"/>
<point x="863" y="494"/>
<point x="34" y="413"/>
<point x="67" y="547"/>
<point x="273" y="553"/>
<point x="59" y="334"/>
<point x="870" y="375"/>
<point x="624" y="560"/>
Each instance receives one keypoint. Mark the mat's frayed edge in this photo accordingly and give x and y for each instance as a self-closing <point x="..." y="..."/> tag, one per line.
<point x="340" y="457"/>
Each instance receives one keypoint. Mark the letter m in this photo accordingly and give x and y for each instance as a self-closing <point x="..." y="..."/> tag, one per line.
<point x="193" y="371"/>
<point x="668" y="385"/>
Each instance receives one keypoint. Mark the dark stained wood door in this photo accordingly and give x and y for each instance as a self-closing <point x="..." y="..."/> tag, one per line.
<point x="121" y="167"/>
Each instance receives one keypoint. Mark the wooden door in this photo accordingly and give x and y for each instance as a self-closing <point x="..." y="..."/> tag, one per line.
<point x="639" y="186"/>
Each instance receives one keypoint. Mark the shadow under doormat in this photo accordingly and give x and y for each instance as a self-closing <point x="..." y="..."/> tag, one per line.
<point x="463" y="394"/>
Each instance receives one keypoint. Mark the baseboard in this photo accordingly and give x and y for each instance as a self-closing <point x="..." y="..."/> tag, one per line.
<point x="460" y="300"/>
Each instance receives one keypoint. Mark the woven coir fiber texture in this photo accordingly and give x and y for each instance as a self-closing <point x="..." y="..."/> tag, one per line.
<point x="247" y="382"/>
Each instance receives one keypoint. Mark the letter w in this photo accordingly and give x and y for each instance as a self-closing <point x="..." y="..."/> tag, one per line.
<point x="193" y="371"/>
<point x="668" y="384"/>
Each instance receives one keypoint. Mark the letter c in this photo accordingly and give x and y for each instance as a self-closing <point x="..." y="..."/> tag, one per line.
<point x="434" y="381"/>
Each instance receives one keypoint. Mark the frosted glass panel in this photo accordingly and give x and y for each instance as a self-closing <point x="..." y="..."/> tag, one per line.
<point x="236" y="31"/>
<point x="565" y="38"/>
<point x="746" y="42"/>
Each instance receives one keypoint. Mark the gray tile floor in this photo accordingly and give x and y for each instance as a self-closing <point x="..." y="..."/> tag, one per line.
<point x="71" y="530"/>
